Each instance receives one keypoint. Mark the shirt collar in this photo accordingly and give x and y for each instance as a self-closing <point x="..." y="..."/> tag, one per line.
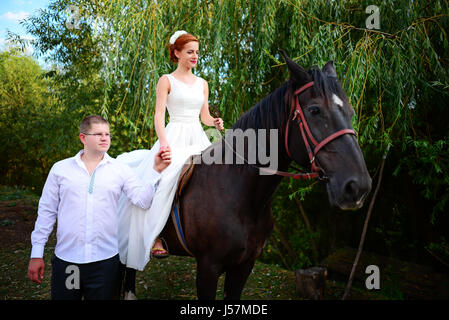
<point x="106" y="159"/>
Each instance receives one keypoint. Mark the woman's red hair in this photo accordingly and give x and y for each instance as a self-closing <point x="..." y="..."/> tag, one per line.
<point x="179" y="45"/>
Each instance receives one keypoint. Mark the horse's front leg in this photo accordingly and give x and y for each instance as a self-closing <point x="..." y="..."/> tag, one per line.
<point x="235" y="279"/>
<point x="207" y="274"/>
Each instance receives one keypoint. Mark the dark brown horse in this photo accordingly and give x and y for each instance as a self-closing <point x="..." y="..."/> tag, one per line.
<point x="226" y="208"/>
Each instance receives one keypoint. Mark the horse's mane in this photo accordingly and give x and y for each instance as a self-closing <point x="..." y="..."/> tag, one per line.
<point x="272" y="111"/>
<point x="267" y="114"/>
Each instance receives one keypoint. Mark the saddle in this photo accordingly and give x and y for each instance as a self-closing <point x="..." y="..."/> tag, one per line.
<point x="184" y="177"/>
<point x="183" y="180"/>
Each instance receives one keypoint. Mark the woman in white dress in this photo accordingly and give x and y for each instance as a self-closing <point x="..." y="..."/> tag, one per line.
<point x="186" y="98"/>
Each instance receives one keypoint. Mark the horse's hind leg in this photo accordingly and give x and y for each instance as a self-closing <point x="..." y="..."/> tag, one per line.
<point x="207" y="275"/>
<point x="235" y="280"/>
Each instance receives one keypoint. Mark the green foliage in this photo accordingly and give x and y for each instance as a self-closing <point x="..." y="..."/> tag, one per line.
<point x="27" y="112"/>
<point x="432" y="158"/>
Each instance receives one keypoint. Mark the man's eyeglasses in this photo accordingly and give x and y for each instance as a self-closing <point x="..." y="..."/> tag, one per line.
<point x="99" y="135"/>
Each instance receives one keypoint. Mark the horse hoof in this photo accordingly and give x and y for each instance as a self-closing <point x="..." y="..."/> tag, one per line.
<point x="129" y="295"/>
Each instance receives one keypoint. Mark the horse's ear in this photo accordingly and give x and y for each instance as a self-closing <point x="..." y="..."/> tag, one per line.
<point x="297" y="73"/>
<point x="329" y="69"/>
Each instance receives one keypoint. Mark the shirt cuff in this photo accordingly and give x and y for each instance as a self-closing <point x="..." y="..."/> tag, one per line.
<point x="37" y="251"/>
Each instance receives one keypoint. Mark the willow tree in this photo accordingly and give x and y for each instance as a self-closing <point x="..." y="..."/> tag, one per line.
<point x="396" y="76"/>
<point x="386" y="73"/>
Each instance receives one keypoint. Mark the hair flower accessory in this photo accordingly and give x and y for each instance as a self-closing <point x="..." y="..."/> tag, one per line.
<point x="176" y="35"/>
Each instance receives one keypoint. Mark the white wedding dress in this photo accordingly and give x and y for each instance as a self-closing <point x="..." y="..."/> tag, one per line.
<point x="139" y="228"/>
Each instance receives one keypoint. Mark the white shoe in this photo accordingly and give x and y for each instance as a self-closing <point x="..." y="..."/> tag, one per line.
<point x="129" y="295"/>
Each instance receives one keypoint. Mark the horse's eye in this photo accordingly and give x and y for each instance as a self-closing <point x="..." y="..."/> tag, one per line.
<point x="313" y="110"/>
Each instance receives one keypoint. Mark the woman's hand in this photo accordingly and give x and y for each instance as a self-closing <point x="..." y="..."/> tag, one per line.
<point x="218" y="123"/>
<point x="163" y="145"/>
<point x="162" y="159"/>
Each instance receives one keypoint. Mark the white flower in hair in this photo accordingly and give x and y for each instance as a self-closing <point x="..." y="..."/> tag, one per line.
<point x="176" y="35"/>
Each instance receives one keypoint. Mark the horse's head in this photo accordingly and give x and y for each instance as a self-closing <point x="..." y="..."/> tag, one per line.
<point x="323" y="120"/>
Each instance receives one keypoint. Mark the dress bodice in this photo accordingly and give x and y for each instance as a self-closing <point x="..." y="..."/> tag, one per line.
<point x="184" y="101"/>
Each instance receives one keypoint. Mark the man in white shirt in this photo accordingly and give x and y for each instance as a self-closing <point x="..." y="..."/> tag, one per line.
<point x="82" y="193"/>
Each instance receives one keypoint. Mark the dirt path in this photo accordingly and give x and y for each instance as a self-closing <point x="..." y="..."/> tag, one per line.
<point x="17" y="218"/>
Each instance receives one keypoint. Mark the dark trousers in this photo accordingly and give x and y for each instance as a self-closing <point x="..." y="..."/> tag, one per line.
<point x="93" y="281"/>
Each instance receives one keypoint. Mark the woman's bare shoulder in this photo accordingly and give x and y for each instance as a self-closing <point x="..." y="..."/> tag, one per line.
<point x="164" y="82"/>
<point x="164" y="79"/>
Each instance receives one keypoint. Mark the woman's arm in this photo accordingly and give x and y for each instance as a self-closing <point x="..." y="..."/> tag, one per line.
<point x="206" y="118"/>
<point x="162" y="89"/>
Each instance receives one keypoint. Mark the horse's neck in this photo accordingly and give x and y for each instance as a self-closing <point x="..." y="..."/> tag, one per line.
<point x="270" y="113"/>
<point x="273" y="112"/>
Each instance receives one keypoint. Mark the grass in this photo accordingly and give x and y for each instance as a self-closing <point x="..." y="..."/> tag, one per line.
<point x="174" y="278"/>
<point x="168" y="279"/>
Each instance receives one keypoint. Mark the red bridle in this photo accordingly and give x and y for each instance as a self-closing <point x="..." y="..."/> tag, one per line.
<point x="304" y="128"/>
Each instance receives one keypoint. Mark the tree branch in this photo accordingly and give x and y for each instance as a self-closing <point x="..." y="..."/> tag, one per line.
<point x="365" y="227"/>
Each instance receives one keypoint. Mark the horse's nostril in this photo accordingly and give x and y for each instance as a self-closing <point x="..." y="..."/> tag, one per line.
<point x="352" y="190"/>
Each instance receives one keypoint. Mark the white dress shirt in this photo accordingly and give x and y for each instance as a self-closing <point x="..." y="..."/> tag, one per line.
<point x="86" y="208"/>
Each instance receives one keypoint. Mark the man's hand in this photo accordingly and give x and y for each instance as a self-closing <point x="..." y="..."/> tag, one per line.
<point x="162" y="159"/>
<point x="36" y="270"/>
